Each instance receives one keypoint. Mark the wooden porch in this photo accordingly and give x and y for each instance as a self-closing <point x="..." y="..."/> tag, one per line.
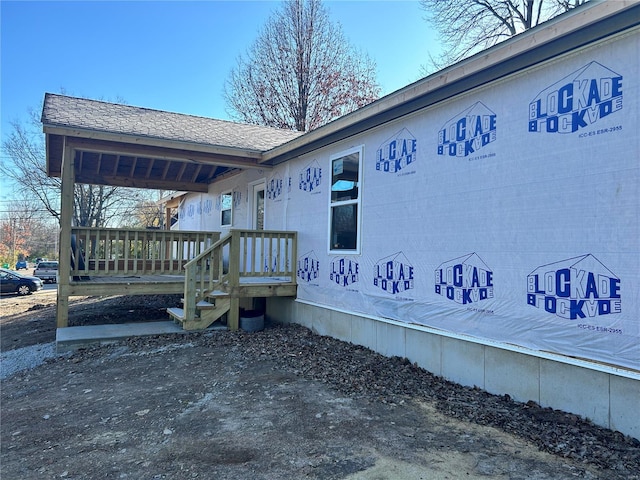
<point x="98" y="143"/>
<point x="244" y="264"/>
<point x="214" y="274"/>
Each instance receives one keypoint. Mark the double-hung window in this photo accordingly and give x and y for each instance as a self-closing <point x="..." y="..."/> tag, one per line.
<point x="344" y="204"/>
<point x="226" y="209"/>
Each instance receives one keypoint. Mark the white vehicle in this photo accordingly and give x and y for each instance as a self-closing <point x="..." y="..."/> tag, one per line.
<point x="47" y="271"/>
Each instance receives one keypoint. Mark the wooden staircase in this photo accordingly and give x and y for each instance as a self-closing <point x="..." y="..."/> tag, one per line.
<point x="243" y="264"/>
<point x="208" y="312"/>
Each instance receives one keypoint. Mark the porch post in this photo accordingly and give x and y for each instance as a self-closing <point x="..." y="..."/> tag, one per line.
<point x="167" y="218"/>
<point x="66" y="221"/>
<point x="233" y="319"/>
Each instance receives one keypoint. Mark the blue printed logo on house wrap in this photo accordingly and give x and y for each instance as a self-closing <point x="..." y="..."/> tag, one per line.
<point x="310" y="177"/>
<point x="277" y="185"/>
<point x="578" y="287"/>
<point x="468" y="132"/>
<point x="464" y="280"/>
<point x="393" y="274"/>
<point x="308" y="267"/>
<point x="397" y="153"/>
<point x="344" y="271"/>
<point x="577" y="101"/>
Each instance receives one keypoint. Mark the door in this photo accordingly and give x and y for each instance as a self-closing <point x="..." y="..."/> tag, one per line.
<point x="256" y="220"/>
<point x="257" y="205"/>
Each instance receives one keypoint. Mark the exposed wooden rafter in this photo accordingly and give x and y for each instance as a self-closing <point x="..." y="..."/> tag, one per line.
<point x="181" y="172"/>
<point x="149" y="168"/>
<point x="79" y="161"/>
<point x="196" y="173"/>
<point x="119" y="148"/>
<point x="166" y="170"/>
<point x="133" y="166"/>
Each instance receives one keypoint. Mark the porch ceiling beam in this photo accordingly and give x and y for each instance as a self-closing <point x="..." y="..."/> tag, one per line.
<point x="213" y="174"/>
<point x="166" y="170"/>
<point x="101" y="146"/>
<point x="149" y="167"/>
<point x="162" y="143"/>
<point x="141" y="183"/>
<point x="196" y="173"/>
<point x="225" y="175"/>
<point x="181" y="172"/>
<point x="133" y="166"/>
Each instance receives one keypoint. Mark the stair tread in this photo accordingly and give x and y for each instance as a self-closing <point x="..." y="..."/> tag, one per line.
<point x="204" y="305"/>
<point x="177" y="313"/>
<point x="217" y="293"/>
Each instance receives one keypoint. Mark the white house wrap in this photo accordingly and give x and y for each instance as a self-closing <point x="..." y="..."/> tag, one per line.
<point x="499" y="215"/>
<point x="509" y="212"/>
<point x="483" y="222"/>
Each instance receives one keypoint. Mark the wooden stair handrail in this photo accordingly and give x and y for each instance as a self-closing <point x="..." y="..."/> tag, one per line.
<point x="219" y="243"/>
<point x="193" y="294"/>
<point x="247" y="257"/>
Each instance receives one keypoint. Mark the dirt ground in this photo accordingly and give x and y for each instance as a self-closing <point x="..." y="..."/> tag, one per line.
<point x="283" y="403"/>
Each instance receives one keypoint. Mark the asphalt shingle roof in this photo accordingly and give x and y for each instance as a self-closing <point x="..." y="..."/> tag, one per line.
<point x="64" y="111"/>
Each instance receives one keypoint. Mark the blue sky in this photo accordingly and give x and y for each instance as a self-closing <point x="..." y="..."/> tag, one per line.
<point x="175" y="56"/>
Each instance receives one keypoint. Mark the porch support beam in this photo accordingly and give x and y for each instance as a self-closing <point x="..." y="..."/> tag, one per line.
<point x="233" y="319"/>
<point x="94" y="136"/>
<point x="247" y="160"/>
<point x="66" y="221"/>
<point x="79" y="289"/>
<point x="143" y="183"/>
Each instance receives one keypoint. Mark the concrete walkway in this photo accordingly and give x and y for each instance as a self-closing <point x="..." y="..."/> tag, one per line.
<point x="72" y="338"/>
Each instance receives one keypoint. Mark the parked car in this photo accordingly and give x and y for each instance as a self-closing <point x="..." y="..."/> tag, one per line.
<point x="21" y="264"/>
<point x="47" y="271"/>
<point x="14" y="282"/>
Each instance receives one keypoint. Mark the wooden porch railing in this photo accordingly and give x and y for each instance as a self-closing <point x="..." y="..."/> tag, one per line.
<point x="118" y="252"/>
<point x="240" y="258"/>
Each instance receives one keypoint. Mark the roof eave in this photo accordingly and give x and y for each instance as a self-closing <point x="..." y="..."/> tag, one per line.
<point x="67" y="131"/>
<point x="574" y="29"/>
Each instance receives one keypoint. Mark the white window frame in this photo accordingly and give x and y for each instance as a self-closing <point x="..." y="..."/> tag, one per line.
<point x="222" y="209"/>
<point x="358" y="201"/>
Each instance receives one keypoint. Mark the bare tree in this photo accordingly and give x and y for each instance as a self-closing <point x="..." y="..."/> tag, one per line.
<point x="468" y="26"/>
<point x="94" y="205"/>
<point x="25" y="229"/>
<point x="300" y="73"/>
<point x="13" y="239"/>
<point x="147" y="214"/>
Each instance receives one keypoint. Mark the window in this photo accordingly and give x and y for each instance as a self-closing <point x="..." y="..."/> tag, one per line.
<point x="226" y="212"/>
<point x="344" y="215"/>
